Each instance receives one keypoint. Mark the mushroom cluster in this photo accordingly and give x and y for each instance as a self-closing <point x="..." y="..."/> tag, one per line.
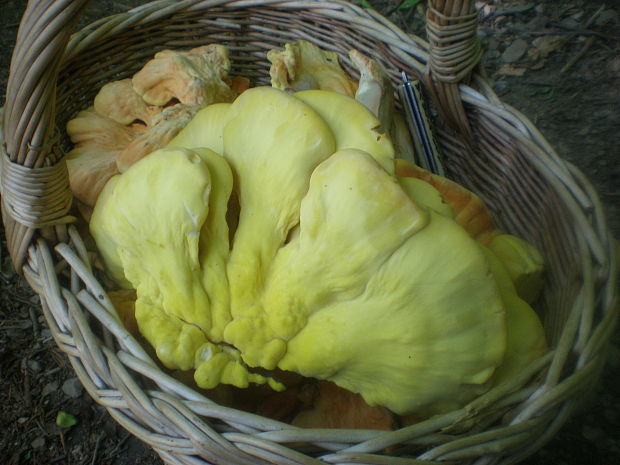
<point x="131" y="118"/>
<point x="280" y="235"/>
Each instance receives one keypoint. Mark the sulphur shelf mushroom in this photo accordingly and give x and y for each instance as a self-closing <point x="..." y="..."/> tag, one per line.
<point x="346" y="265"/>
<point x="134" y="117"/>
<point x="119" y="101"/>
<point x="92" y="162"/>
<point x="164" y="127"/>
<point x="206" y="129"/>
<point x="104" y="147"/>
<point x="304" y="66"/>
<point x="182" y="291"/>
<point x="287" y="145"/>
<point x="353" y="125"/>
<point x="375" y="92"/>
<point x="193" y="77"/>
<point x="334" y="407"/>
<point x="470" y="212"/>
<point x="523" y="262"/>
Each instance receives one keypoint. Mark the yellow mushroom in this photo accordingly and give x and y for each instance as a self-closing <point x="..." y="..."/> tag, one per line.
<point x="353" y="125"/>
<point x="206" y="129"/>
<point x="304" y="66"/>
<point x="368" y="261"/>
<point x="271" y="163"/>
<point x="469" y="210"/>
<point x="523" y="262"/>
<point x="345" y="265"/>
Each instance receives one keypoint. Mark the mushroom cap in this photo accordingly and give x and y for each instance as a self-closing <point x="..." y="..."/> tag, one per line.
<point x="206" y="129"/>
<point x="304" y="66"/>
<point x="92" y="161"/>
<point x="272" y="162"/>
<point x="353" y="125"/>
<point x="470" y="211"/>
<point x="165" y="126"/>
<point x="523" y="262"/>
<point x="196" y="76"/>
<point x="148" y="221"/>
<point x="334" y="407"/>
<point x="525" y="334"/>
<point x="163" y="220"/>
<point x="368" y="261"/>
<point x="119" y="101"/>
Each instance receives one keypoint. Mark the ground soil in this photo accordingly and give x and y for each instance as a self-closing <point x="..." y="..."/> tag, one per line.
<point x="577" y="110"/>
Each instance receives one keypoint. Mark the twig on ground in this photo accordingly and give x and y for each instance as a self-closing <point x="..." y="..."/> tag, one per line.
<point x="100" y="417"/>
<point x="511" y="11"/>
<point x="62" y="440"/>
<point x="119" y="445"/>
<point x="27" y="394"/>
<point x="96" y="451"/>
<point x="20" y="299"/>
<point x="588" y="42"/>
<point x="578" y="55"/>
<point x="52" y="371"/>
<point x="35" y="322"/>
<point x="589" y="22"/>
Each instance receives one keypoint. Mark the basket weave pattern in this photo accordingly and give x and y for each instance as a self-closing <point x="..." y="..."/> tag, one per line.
<point x="488" y="146"/>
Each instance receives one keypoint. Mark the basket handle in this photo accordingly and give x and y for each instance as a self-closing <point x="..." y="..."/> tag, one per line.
<point x="33" y="176"/>
<point x="454" y="52"/>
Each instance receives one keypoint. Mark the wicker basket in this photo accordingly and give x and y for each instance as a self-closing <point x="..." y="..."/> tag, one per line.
<point x="488" y="146"/>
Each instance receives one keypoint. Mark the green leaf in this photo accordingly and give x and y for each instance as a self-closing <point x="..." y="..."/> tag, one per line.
<point x="366" y="4"/>
<point x="551" y="95"/>
<point x="65" y="420"/>
<point x="407" y="4"/>
<point x="548" y="92"/>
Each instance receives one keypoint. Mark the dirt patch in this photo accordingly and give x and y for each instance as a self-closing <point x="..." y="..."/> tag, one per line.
<point x="37" y="384"/>
<point x="527" y="45"/>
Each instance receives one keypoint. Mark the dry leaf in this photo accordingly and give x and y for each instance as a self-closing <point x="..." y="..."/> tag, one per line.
<point x="543" y="46"/>
<point x="511" y="70"/>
